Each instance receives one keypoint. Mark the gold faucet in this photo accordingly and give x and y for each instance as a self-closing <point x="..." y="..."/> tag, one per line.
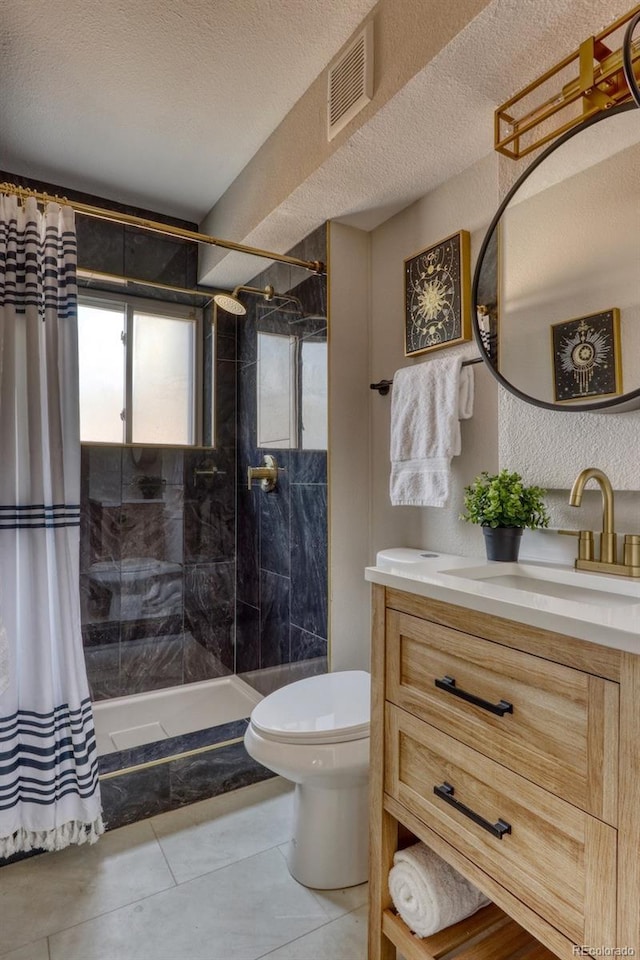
<point x="608" y="552"/>
<point x="608" y="559"/>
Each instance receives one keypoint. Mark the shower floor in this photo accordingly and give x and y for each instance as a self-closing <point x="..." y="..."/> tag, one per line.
<point x="123" y="723"/>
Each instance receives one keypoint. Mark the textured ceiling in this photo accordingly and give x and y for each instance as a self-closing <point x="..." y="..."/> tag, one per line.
<point x="166" y="103"/>
<point x="438" y="124"/>
<point x="156" y="102"/>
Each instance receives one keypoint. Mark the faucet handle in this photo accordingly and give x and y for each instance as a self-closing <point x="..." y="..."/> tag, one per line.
<point x="631" y="550"/>
<point x="585" y="542"/>
<point x="268" y="474"/>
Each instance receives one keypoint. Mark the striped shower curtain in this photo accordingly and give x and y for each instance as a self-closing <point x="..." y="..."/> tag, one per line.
<point x="49" y="793"/>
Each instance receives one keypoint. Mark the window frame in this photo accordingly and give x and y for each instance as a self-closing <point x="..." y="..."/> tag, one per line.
<point x="160" y="308"/>
<point x="293" y="345"/>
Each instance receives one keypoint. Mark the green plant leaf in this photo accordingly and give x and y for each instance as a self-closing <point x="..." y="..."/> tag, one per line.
<point x="502" y="500"/>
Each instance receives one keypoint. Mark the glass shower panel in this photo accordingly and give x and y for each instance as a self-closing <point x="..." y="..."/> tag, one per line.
<point x="277" y="391"/>
<point x="314" y="400"/>
<point x="162" y="395"/>
<point x="102" y="371"/>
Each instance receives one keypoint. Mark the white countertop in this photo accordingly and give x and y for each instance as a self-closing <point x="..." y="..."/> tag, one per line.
<point x="588" y="615"/>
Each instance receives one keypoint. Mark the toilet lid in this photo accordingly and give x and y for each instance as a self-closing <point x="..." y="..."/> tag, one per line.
<point x="329" y="708"/>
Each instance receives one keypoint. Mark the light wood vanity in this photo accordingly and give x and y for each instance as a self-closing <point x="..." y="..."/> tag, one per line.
<point x="514" y="753"/>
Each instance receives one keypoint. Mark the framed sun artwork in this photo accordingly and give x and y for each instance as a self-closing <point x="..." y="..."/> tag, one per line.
<point x="437" y="292"/>
<point x="586" y="356"/>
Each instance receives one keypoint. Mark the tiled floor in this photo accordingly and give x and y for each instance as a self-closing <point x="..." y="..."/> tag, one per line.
<point x="207" y="882"/>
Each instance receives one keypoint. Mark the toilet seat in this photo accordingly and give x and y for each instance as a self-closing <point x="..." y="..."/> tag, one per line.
<point x="329" y="708"/>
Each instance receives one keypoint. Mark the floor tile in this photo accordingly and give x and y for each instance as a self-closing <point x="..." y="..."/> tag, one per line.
<point x="336" y="903"/>
<point x="32" y="951"/>
<point x="50" y="892"/>
<point x="342" y="939"/>
<point x="208" y="835"/>
<point x="240" y="912"/>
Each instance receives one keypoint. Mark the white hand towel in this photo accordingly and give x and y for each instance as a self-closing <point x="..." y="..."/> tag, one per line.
<point x="427" y="403"/>
<point x="428" y="894"/>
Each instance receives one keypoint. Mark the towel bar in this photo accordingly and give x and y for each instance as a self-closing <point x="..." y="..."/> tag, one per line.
<point x="383" y="386"/>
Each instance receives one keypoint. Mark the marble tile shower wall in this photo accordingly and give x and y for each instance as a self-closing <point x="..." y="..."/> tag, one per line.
<point x="157" y="568"/>
<point x="282" y="566"/>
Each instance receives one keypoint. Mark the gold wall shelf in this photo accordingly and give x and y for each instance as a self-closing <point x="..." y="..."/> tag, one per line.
<point x="588" y="81"/>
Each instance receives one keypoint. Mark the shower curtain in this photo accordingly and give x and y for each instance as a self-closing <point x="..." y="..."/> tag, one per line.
<point x="49" y="792"/>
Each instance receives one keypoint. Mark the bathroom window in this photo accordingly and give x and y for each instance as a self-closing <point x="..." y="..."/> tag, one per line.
<point x="277" y="408"/>
<point x="139" y="363"/>
<point x="313" y="394"/>
<point x="291" y="392"/>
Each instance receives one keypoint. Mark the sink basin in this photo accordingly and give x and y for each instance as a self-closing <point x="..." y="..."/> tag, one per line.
<point x="566" y="584"/>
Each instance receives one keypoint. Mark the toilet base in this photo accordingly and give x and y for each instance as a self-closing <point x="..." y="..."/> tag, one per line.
<point x="329" y="848"/>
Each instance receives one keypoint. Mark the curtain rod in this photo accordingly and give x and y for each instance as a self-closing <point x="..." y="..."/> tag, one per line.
<point x="98" y="213"/>
<point x="120" y="280"/>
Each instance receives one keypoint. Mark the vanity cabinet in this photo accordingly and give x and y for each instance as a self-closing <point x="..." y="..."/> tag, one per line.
<point x="513" y="753"/>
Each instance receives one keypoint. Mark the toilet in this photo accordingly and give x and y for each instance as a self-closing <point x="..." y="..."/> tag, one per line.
<point x="315" y="732"/>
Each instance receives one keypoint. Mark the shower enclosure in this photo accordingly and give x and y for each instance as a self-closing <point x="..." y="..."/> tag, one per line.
<point x="198" y="594"/>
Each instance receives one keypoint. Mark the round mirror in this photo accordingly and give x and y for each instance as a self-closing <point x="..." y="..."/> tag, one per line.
<point x="556" y="291"/>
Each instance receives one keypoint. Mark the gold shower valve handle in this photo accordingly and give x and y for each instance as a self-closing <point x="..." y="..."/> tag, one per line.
<point x="267" y="475"/>
<point x="585" y="542"/>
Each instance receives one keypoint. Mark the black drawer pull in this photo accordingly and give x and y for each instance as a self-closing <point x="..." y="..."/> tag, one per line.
<point x="500" y="708"/>
<point x="446" y="791"/>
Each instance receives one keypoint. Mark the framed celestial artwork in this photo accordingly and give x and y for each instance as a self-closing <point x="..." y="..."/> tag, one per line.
<point x="586" y="356"/>
<point x="437" y="290"/>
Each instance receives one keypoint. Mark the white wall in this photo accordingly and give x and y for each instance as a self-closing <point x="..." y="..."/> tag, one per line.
<point x="466" y="202"/>
<point x="349" y="448"/>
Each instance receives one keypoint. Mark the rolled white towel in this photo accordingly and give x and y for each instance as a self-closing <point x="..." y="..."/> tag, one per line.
<point x="428" y="894"/>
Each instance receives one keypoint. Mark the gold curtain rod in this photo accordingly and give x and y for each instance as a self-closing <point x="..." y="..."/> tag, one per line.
<point x="316" y="266"/>
<point x="117" y="279"/>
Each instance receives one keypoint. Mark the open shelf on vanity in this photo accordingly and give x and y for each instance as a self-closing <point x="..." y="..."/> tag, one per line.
<point x="487" y="935"/>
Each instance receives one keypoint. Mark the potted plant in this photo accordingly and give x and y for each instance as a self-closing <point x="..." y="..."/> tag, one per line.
<point x="503" y="506"/>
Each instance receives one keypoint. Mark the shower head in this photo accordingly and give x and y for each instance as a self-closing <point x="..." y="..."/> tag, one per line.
<point x="231" y="302"/>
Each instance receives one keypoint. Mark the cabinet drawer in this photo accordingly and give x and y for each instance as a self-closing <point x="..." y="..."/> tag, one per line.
<point x="556" y="858"/>
<point x="554" y="725"/>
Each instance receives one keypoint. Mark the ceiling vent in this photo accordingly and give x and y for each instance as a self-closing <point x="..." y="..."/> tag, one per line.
<point x="350" y="82"/>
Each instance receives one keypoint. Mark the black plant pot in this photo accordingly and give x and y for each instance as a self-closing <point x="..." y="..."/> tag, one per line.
<point x="502" y="543"/>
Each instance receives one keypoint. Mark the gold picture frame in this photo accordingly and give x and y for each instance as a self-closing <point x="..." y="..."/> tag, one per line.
<point x="437" y="295"/>
<point x="587" y="363"/>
